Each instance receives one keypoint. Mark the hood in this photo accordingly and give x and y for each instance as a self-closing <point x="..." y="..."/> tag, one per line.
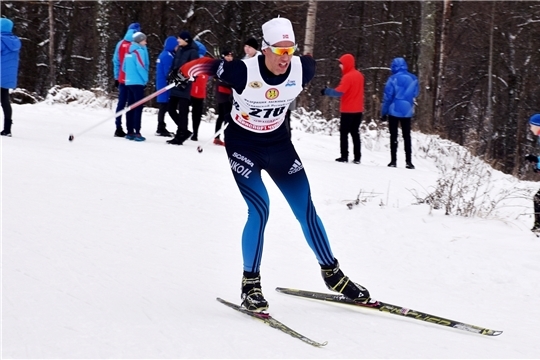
<point x="129" y="35"/>
<point x="348" y="63"/>
<point x="6" y="25"/>
<point x="170" y="44"/>
<point x="398" y="64"/>
<point x="202" y="48"/>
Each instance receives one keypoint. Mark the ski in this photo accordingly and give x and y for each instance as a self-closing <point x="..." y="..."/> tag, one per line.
<point x="392" y="309"/>
<point x="272" y="322"/>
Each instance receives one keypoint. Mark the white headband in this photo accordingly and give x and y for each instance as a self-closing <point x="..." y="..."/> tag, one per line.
<point x="276" y="30"/>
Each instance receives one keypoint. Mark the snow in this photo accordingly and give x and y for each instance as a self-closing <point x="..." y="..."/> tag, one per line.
<point x="118" y="249"/>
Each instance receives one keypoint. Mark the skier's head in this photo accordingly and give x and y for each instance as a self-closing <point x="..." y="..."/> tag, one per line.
<point x="278" y="45"/>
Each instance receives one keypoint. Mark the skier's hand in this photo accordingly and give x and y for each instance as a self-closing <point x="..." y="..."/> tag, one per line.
<point x="531" y="158"/>
<point x="179" y="80"/>
<point x="116" y="83"/>
<point x="323" y="91"/>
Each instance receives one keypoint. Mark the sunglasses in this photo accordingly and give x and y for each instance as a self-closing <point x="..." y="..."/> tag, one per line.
<point x="289" y="50"/>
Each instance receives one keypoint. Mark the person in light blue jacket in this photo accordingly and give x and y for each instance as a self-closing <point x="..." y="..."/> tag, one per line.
<point x="398" y="107"/>
<point x="163" y="65"/>
<point x="120" y="51"/>
<point x="9" y="69"/>
<point x="136" y="67"/>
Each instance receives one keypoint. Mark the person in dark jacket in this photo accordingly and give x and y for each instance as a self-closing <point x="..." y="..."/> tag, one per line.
<point x="9" y="70"/>
<point x="534" y="124"/>
<point x="120" y="51"/>
<point x="398" y="108"/>
<point x="351" y="92"/>
<point x="198" y="94"/>
<point x="179" y="99"/>
<point x="223" y="98"/>
<point x="163" y="65"/>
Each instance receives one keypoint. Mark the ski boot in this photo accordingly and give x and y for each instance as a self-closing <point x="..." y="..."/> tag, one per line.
<point x="335" y="280"/>
<point x="252" y="296"/>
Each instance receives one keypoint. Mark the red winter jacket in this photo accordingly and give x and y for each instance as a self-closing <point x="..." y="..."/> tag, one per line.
<point x="122" y="51"/>
<point x="352" y="86"/>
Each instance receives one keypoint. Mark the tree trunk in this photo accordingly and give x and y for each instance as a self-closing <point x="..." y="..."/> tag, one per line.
<point x="52" y="68"/>
<point x="438" y="121"/>
<point x="425" y="66"/>
<point x="311" y="20"/>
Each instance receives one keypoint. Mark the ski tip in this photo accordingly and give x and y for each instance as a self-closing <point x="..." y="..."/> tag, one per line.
<point x="494" y="332"/>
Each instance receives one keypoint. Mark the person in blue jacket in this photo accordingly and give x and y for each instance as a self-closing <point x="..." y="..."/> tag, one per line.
<point x="163" y="65"/>
<point x="9" y="69"/>
<point x="534" y="123"/>
<point x="136" y="66"/>
<point x="120" y="51"/>
<point x="398" y="107"/>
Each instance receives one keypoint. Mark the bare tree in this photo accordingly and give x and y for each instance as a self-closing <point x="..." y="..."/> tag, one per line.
<point x="426" y="98"/>
<point x="311" y="20"/>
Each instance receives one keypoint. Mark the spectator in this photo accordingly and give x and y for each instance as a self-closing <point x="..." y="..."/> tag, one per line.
<point x="198" y="94"/>
<point x="398" y="108"/>
<point x="180" y="96"/>
<point x="223" y="98"/>
<point x="122" y="47"/>
<point x="163" y="66"/>
<point x="136" y="67"/>
<point x="9" y="70"/>
<point x="251" y="48"/>
<point x="351" y="92"/>
<point x="257" y="140"/>
<point x="534" y="123"/>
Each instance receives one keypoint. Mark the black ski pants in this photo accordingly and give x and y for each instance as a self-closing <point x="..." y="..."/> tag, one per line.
<point x="350" y="124"/>
<point x="393" y="123"/>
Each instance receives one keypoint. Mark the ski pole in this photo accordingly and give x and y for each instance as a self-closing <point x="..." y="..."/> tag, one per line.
<point x="219" y="132"/>
<point x="128" y="108"/>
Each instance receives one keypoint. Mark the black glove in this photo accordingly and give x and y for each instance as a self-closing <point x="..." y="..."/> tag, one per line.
<point x="116" y="83"/>
<point x="323" y="90"/>
<point x="536" y="170"/>
<point x="384" y="118"/>
<point x="179" y="80"/>
<point x="531" y="158"/>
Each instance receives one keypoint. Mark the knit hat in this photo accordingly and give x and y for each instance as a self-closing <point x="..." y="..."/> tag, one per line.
<point x="276" y="30"/>
<point x="253" y="43"/>
<point x="535" y="120"/>
<point x="138" y="37"/>
<point x="226" y="52"/>
<point x="186" y="36"/>
<point x="134" y="26"/>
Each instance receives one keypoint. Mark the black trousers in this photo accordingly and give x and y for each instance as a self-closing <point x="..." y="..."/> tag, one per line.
<point x="196" y="114"/>
<point x="178" y="111"/>
<point x="393" y="123"/>
<point x="161" y="125"/>
<point x="350" y="124"/>
<point x="536" y="202"/>
<point x="6" y="107"/>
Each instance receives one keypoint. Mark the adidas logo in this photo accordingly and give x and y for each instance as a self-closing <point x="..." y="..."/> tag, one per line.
<point x="296" y="167"/>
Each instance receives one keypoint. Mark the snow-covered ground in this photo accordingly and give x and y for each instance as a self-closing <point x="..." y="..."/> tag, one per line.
<point x="118" y="249"/>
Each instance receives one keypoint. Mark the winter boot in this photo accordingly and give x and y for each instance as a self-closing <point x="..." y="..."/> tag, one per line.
<point x="5" y="133"/>
<point x="337" y="281"/>
<point x="342" y="159"/>
<point x="119" y="133"/>
<point x="392" y="163"/>
<point x="409" y="165"/>
<point x="252" y="296"/>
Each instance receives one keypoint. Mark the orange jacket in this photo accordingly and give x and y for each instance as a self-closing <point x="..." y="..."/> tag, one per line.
<point x="352" y="86"/>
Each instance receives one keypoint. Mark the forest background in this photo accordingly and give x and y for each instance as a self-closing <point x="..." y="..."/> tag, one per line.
<point x="477" y="61"/>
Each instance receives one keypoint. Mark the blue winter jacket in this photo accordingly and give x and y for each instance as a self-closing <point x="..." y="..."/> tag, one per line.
<point x="400" y="91"/>
<point x="136" y="65"/>
<point x="11" y="46"/>
<point x="116" y="56"/>
<point x="163" y="65"/>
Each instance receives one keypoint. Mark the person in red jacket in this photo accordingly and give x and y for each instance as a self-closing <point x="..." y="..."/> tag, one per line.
<point x="198" y="94"/>
<point x="351" y="92"/>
